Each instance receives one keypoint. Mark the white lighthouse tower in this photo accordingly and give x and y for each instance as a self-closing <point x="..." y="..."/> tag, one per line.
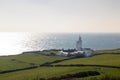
<point x="79" y="44"/>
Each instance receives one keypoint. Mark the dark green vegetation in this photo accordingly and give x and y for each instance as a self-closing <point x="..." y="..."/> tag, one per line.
<point x="46" y="66"/>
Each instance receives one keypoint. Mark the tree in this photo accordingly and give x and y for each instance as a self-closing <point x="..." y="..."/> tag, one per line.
<point x="52" y="54"/>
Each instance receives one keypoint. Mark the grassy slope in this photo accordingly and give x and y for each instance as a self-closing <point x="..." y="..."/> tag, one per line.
<point x="104" y="59"/>
<point x="8" y="64"/>
<point x="108" y="51"/>
<point x="46" y="72"/>
<point x="24" y="60"/>
<point x="36" y="58"/>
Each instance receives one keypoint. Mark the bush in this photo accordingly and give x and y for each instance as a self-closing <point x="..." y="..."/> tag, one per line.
<point x="106" y="78"/>
<point x="71" y="76"/>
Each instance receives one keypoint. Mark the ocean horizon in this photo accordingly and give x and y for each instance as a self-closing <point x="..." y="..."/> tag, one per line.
<point x="12" y="43"/>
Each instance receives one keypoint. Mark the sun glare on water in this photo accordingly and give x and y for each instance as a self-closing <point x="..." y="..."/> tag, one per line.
<point x="10" y="43"/>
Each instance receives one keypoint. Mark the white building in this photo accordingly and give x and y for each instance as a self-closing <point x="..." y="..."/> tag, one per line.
<point x="88" y="52"/>
<point x="79" y="50"/>
<point x="61" y="53"/>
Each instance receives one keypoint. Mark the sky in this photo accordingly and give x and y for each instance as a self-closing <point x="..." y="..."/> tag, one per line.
<point x="60" y="16"/>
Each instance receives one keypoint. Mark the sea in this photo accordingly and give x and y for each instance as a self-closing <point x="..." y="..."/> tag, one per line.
<point x="12" y="43"/>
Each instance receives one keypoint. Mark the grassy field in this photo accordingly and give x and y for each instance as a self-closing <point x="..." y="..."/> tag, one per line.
<point x="44" y="72"/>
<point x="29" y="59"/>
<point x="104" y="59"/>
<point x="47" y="72"/>
<point x="25" y="60"/>
<point x="108" y="51"/>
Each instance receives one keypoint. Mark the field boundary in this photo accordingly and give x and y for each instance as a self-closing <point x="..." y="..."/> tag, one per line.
<point x="81" y="65"/>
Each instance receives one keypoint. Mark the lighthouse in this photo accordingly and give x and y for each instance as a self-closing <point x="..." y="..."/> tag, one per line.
<point x="81" y="52"/>
<point x="79" y="44"/>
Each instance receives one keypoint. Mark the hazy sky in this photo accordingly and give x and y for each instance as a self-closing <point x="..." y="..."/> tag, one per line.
<point x="60" y="15"/>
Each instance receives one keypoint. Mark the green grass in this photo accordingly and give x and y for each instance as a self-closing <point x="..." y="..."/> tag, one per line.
<point x="108" y="51"/>
<point x="43" y="72"/>
<point x="24" y="60"/>
<point x="104" y="59"/>
<point x="47" y="72"/>
<point x="36" y="58"/>
<point x="8" y="64"/>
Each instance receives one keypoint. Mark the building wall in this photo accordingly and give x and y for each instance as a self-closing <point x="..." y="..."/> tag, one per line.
<point x="88" y="53"/>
